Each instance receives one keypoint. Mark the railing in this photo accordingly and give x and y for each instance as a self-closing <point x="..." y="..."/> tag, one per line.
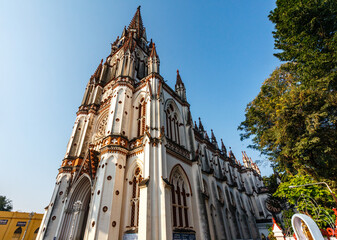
<point x="177" y="148"/>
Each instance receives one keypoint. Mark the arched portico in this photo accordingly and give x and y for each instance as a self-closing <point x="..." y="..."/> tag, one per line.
<point x="76" y="213"/>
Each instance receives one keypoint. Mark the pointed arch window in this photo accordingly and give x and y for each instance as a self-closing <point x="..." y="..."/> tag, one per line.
<point x="17" y="233"/>
<point x="141" y="118"/>
<point x="172" y="124"/>
<point x="180" y="206"/>
<point x="137" y="178"/>
<point x="126" y="64"/>
<point x="35" y="233"/>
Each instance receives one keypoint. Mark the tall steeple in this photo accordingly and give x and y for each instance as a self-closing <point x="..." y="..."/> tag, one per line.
<point x="136" y="25"/>
<point x="122" y="174"/>
<point x="180" y="87"/>
<point x="134" y="53"/>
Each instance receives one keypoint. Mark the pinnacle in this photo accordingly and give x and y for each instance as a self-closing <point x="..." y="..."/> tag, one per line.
<point x="213" y="137"/>
<point x="153" y="51"/>
<point x="179" y="81"/>
<point x="223" y="147"/>
<point x="201" y="127"/>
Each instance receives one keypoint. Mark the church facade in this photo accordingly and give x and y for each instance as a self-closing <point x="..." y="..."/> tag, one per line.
<point x="137" y="166"/>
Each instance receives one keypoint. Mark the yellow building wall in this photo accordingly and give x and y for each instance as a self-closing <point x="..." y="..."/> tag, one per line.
<point x="9" y="222"/>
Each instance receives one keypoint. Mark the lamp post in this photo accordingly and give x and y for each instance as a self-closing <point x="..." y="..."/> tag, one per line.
<point x="310" y="184"/>
<point x="31" y="215"/>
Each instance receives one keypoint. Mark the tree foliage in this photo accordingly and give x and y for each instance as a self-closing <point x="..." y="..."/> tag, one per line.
<point x="293" y="120"/>
<point x="305" y="33"/>
<point x="271" y="182"/>
<point x="315" y="201"/>
<point x="294" y="126"/>
<point x="5" y="204"/>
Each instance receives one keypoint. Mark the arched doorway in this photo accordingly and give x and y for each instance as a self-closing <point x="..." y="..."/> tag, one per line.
<point x="76" y="213"/>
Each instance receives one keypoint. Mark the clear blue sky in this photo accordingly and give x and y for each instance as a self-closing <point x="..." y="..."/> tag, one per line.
<point x="49" y="50"/>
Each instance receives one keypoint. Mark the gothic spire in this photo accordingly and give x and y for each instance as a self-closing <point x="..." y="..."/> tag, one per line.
<point x="137" y="24"/>
<point x="153" y="51"/>
<point x="232" y="156"/>
<point x="201" y="127"/>
<point x="179" y="82"/>
<point x="214" y="141"/>
<point x="180" y="87"/>
<point x="223" y="148"/>
<point x="153" y="60"/>
<point x="245" y="160"/>
<point x="114" y="46"/>
<point x="206" y="136"/>
<point x="213" y="137"/>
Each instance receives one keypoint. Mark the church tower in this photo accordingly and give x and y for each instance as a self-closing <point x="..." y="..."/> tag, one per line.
<point x="136" y="167"/>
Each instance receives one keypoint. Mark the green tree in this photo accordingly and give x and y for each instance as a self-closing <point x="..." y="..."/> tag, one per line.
<point x="315" y="201"/>
<point x="293" y="120"/>
<point x="5" y="204"/>
<point x="294" y="126"/>
<point x="306" y="34"/>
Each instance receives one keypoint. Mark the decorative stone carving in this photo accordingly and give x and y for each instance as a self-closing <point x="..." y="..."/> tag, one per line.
<point x="101" y="127"/>
<point x="177" y="149"/>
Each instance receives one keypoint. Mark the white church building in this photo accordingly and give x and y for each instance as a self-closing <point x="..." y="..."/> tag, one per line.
<point x="138" y="167"/>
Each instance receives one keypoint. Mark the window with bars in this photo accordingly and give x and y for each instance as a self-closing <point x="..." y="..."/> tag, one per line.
<point x="172" y="124"/>
<point x="141" y="117"/>
<point x="137" y="178"/>
<point x="179" y="202"/>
